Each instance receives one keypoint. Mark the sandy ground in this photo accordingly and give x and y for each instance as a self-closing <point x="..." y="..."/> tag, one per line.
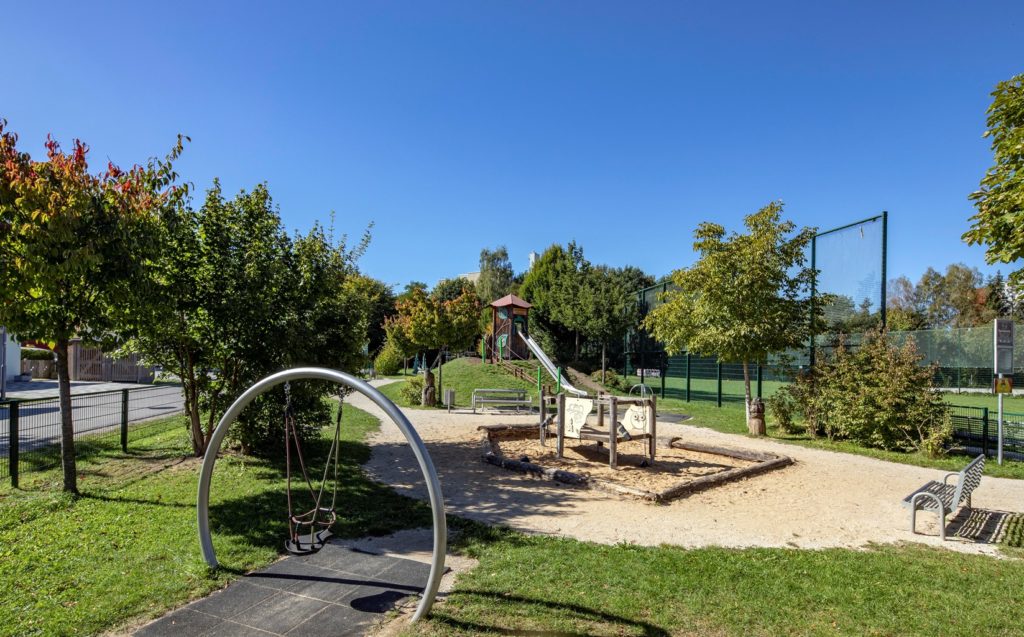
<point x="825" y="499"/>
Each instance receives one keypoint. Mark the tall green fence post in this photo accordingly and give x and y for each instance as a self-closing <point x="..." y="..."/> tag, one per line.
<point x="12" y="453"/>
<point x="759" y="380"/>
<point x="719" y="383"/>
<point x="687" y="376"/>
<point x="124" y="420"/>
<point x="664" y="373"/>
<point x="984" y="431"/>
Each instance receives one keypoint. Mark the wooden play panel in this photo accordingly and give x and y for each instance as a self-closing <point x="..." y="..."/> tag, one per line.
<point x="680" y="469"/>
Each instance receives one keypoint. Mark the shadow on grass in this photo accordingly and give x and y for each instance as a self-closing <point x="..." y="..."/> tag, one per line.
<point x="525" y="606"/>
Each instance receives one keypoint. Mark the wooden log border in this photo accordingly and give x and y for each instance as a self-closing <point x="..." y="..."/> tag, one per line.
<point x="764" y="462"/>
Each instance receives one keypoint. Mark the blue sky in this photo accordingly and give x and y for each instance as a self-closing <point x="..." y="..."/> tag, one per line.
<point x="455" y="126"/>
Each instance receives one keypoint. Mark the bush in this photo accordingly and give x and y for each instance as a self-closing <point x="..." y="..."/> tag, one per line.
<point x="878" y="396"/>
<point x="412" y="390"/>
<point x="389" y="360"/>
<point x="260" y="426"/>
<point x="783" y="406"/>
<point x="611" y="380"/>
<point x="36" y="354"/>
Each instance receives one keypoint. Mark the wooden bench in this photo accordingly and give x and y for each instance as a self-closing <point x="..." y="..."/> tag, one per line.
<point x="944" y="498"/>
<point x="502" y="397"/>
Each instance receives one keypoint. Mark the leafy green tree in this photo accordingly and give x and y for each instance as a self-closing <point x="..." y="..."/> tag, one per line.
<point x="496" y="275"/>
<point x="381" y="301"/>
<point x="77" y="250"/>
<point x="999" y="220"/>
<point x="236" y="299"/>
<point x="451" y="289"/>
<point x="611" y="308"/>
<point x="746" y="297"/>
<point x="556" y="286"/>
<point x="434" y="321"/>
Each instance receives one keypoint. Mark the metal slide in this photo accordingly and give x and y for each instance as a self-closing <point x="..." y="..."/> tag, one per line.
<point x="548" y="365"/>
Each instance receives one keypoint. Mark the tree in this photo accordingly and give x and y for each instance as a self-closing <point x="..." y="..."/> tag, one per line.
<point x="555" y="285"/>
<point x="437" y="321"/>
<point x="382" y="307"/>
<point x="746" y="297"/>
<point x="611" y="307"/>
<point x="236" y="299"/>
<point x="77" y="247"/>
<point x="999" y="221"/>
<point x="496" y="276"/>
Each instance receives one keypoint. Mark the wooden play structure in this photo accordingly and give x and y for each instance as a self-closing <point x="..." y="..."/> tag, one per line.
<point x="509" y="314"/>
<point x="571" y="416"/>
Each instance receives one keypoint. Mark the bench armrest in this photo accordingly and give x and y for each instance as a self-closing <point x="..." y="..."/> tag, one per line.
<point x="924" y="495"/>
<point x="947" y="476"/>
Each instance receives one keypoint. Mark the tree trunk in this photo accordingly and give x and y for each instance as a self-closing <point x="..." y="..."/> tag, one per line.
<point x="191" y="390"/>
<point x="603" y="367"/>
<point x="755" y="420"/>
<point x="67" y="428"/>
<point x="576" y="354"/>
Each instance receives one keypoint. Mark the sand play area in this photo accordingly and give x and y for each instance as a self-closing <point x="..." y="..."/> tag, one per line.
<point x="823" y="499"/>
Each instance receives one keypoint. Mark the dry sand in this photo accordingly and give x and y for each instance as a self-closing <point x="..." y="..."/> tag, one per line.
<point x="825" y="499"/>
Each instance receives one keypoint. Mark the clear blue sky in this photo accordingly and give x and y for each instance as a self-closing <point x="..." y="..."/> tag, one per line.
<point x="455" y="126"/>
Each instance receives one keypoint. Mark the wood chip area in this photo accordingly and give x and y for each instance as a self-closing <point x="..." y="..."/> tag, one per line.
<point x="671" y="468"/>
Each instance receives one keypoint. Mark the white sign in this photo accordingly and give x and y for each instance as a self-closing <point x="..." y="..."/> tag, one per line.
<point x="649" y="373"/>
<point x="576" y="412"/>
<point x="636" y="421"/>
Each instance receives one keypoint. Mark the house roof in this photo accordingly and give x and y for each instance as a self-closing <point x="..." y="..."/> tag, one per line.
<point x="510" y="299"/>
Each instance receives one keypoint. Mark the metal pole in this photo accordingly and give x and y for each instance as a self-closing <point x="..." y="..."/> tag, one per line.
<point x="999" y="434"/>
<point x="613" y="432"/>
<point x="560" y="433"/>
<point x="984" y="431"/>
<point x="885" y="256"/>
<point x="12" y="454"/>
<point x="3" y="363"/>
<point x="719" y="383"/>
<point x="759" y="380"/>
<point x="124" y="420"/>
<point x="814" y="291"/>
<point x="687" y="376"/>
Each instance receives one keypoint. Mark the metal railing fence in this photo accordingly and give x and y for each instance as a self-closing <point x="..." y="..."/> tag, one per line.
<point x="30" y="429"/>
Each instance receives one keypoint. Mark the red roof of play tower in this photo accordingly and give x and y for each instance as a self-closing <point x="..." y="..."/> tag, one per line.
<point x="510" y="299"/>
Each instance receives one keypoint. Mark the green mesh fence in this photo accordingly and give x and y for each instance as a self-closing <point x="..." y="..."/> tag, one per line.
<point x="850" y="261"/>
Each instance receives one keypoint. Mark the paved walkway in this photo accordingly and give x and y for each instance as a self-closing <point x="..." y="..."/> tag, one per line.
<point x="338" y="591"/>
<point x="42" y="388"/>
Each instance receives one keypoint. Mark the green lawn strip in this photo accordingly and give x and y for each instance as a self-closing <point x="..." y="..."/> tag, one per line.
<point x="128" y="547"/>
<point x="531" y="583"/>
<point x="464" y="375"/>
<point x="1013" y="404"/>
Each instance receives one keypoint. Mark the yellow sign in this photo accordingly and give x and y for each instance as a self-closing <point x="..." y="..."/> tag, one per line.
<point x="1003" y="385"/>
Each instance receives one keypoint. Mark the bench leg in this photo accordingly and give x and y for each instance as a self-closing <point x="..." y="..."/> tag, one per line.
<point x="942" y="526"/>
<point x="913" y="520"/>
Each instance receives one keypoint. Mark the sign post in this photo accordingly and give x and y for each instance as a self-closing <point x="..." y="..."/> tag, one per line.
<point x="1002" y="332"/>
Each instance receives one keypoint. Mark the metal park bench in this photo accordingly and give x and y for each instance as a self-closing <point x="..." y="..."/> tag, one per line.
<point x="944" y="498"/>
<point x="501" y="397"/>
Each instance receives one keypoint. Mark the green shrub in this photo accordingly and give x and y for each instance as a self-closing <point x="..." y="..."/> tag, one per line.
<point x="412" y="390"/>
<point x="389" y="360"/>
<point x="783" y="406"/>
<point x="260" y="427"/>
<point x="36" y="354"/>
<point x="878" y="395"/>
<point x="611" y="380"/>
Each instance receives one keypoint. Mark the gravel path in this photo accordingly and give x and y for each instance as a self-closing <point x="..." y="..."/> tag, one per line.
<point x="825" y="499"/>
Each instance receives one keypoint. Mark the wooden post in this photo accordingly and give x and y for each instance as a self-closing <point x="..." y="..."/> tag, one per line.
<point x="561" y="426"/>
<point x="613" y="432"/>
<point x="654" y="426"/>
<point x="600" y="409"/>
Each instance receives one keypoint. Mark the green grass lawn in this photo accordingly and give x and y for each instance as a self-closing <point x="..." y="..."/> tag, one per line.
<point x="1013" y="404"/>
<point x="128" y="547"/>
<point x="550" y="586"/>
<point x="464" y="375"/>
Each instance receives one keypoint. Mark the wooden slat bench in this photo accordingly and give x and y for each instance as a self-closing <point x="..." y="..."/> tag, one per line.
<point x="501" y="397"/>
<point x="944" y="498"/>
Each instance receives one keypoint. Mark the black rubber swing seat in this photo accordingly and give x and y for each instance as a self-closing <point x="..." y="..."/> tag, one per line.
<point x="308" y="544"/>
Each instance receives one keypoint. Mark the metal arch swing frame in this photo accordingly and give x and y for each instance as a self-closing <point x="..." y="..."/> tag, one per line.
<point x="415" y="442"/>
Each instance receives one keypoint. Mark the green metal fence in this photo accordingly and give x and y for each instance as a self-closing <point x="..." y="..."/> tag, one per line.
<point x="976" y="429"/>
